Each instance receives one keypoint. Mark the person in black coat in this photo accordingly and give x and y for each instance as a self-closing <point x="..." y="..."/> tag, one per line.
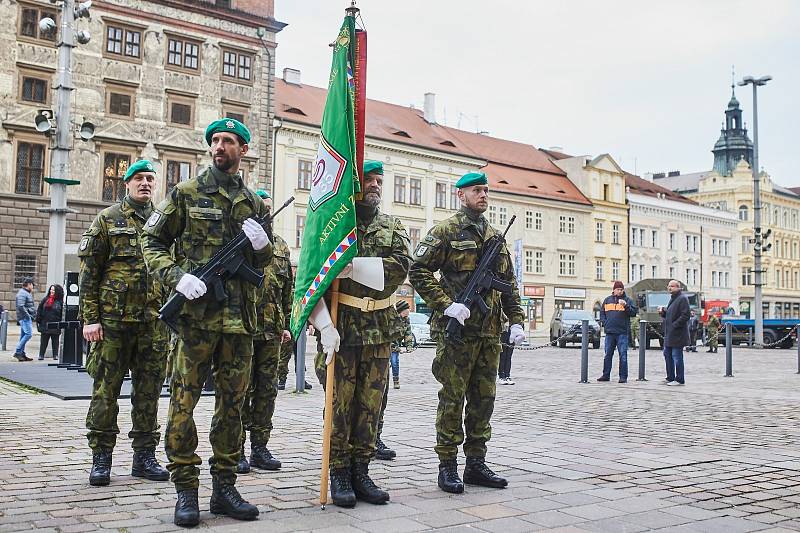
<point x="50" y="311"/>
<point x="676" y="332"/>
<point x="694" y="329"/>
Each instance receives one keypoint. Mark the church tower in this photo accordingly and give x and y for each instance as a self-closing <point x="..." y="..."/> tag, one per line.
<point x="733" y="144"/>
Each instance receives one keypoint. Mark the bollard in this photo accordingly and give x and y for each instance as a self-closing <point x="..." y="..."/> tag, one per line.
<point x="750" y="337"/>
<point x="728" y="350"/>
<point x="300" y="361"/>
<point x="798" y="348"/>
<point x="642" y="348"/>
<point x="584" y="351"/>
<point x="3" y="330"/>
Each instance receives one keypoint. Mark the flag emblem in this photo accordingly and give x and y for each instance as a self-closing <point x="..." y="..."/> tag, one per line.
<point x="328" y="170"/>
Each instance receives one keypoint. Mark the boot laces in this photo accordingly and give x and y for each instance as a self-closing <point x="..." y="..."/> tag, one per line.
<point x="450" y="471"/>
<point x="187" y="497"/>
<point x="103" y="459"/>
<point x="481" y="467"/>
<point x="149" y="459"/>
<point x="232" y="495"/>
<point x="379" y="445"/>
<point x="341" y="480"/>
<point x="361" y="473"/>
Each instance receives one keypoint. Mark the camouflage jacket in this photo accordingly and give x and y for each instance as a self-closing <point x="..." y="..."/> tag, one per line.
<point x="115" y="286"/>
<point x="193" y="222"/>
<point x="404" y="338"/>
<point x="453" y="248"/>
<point x="275" y="295"/>
<point x="713" y="323"/>
<point x="384" y="236"/>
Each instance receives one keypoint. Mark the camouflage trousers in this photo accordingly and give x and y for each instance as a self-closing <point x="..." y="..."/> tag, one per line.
<point x="383" y="405"/>
<point x="466" y="371"/>
<point x="287" y="351"/>
<point x="140" y="348"/>
<point x="360" y="379"/>
<point x="229" y="357"/>
<point x="713" y="339"/>
<point x="259" y="404"/>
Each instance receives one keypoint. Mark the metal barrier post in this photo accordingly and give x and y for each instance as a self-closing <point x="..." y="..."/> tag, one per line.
<point x="300" y="361"/>
<point x="750" y="337"/>
<point x="728" y="350"/>
<point x="798" y="348"/>
<point x="642" y="348"/>
<point x="3" y="330"/>
<point x="584" y="351"/>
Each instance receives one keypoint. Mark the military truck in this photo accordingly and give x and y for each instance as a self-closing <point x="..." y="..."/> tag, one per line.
<point x="649" y="294"/>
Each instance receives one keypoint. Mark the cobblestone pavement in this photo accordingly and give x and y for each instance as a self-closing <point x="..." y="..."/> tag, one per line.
<point x="720" y="454"/>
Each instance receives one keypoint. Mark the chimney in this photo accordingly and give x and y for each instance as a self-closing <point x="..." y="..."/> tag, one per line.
<point x="429" y="112"/>
<point x="673" y="173"/>
<point x="556" y="149"/>
<point x="291" y="75"/>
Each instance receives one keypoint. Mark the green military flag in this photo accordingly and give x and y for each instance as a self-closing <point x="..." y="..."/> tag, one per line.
<point x="329" y="239"/>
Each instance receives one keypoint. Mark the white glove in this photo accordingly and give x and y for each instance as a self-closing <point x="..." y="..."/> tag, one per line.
<point x="255" y="232"/>
<point x="320" y="318"/>
<point x="191" y="286"/>
<point x="458" y="311"/>
<point x="367" y="271"/>
<point x="517" y="335"/>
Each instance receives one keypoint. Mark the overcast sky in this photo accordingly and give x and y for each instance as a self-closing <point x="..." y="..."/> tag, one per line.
<point x="647" y="82"/>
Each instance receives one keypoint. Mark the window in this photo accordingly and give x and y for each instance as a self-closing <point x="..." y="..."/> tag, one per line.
<point x="183" y="54"/>
<point x="672" y="241"/>
<point x="304" y="167"/>
<point x="236" y="113"/>
<point x="414" y="234"/>
<point x="177" y="171"/>
<point x="528" y="261"/>
<point x="747" y="278"/>
<point x="743" y="212"/>
<point x="120" y="101"/>
<point x="454" y="202"/>
<point x="615" y="234"/>
<point x="654" y="238"/>
<point x="30" y="168"/>
<point x="124" y="42"/>
<point x="654" y="271"/>
<point x="714" y="280"/>
<point x="29" y="23"/>
<point x="24" y="267"/>
<point x="606" y="192"/>
<point x="598" y="270"/>
<point x="33" y="89"/>
<point x="300" y="226"/>
<point x="114" y="168"/>
<point x="634" y="233"/>
<point x="441" y="195"/>
<point x="566" y="264"/>
<point x="503" y="218"/>
<point x="492" y="214"/>
<point x="538" y="262"/>
<point x="181" y="111"/>
<point x="415" y="191"/>
<point x="671" y="272"/>
<point x="400" y="189"/>
<point x="566" y="224"/>
<point x="237" y="65"/>
<point x="615" y="270"/>
<point x="633" y="272"/>
<point x="528" y="219"/>
<point x="641" y="271"/>
<point x="641" y="236"/>
<point x="598" y="233"/>
<point x="714" y="247"/>
<point x="726" y="276"/>
<point x="745" y="243"/>
<point x="538" y="223"/>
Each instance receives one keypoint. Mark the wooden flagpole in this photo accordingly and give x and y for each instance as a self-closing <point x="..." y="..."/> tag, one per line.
<point x="327" y="425"/>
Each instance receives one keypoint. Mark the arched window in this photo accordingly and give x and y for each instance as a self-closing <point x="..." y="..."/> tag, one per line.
<point x="743" y="212"/>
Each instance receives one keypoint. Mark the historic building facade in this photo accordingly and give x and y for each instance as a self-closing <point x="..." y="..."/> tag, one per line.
<point x="153" y="75"/>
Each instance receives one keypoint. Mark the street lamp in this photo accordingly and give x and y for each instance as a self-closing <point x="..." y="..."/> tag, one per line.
<point x="758" y="238"/>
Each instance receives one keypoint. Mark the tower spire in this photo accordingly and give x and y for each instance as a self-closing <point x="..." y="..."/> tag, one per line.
<point x="733" y="80"/>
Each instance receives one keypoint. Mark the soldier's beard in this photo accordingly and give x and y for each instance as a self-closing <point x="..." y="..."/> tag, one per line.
<point x="371" y="199"/>
<point x="223" y="163"/>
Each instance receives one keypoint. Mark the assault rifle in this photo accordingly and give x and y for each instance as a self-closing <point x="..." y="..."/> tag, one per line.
<point x="228" y="262"/>
<point x="483" y="280"/>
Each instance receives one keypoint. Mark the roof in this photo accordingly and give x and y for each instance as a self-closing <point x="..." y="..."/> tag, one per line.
<point x="682" y="182"/>
<point x="795" y="190"/>
<point x="511" y="166"/>
<point x="642" y="186"/>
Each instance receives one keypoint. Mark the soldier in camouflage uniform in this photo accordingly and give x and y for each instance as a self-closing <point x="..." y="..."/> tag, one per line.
<point x="713" y="332"/>
<point x="119" y="307"/>
<point x="404" y="340"/>
<point x="197" y="218"/>
<point x="366" y="320"/>
<point x="274" y="310"/>
<point x="465" y="369"/>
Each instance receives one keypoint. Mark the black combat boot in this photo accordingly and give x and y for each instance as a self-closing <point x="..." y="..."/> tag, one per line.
<point x="383" y="452"/>
<point x="261" y="458"/>
<point x="341" y="488"/>
<point x="282" y="384"/>
<point x="145" y="465"/>
<point x="187" y="510"/>
<point x="100" y="475"/>
<point x="226" y="500"/>
<point x="243" y="467"/>
<point x="366" y="489"/>
<point x="448" y="477"/>
<point x="477" y="473"/>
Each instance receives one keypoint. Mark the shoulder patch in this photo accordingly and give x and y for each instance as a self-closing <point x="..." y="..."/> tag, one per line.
<point x="153" y="220"/>
<point x="431" y="240"/>
<point x="421" y="250"/>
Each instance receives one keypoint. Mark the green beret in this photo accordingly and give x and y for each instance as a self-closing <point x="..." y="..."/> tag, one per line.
<point x="228" y="124"/>
<point x="263" y="194"/>
<point x="373" y="166"/>
<point x="143" y="165"/>
<point x="472" y="178"/>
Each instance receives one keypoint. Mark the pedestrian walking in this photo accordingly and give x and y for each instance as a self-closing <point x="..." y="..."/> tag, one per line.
<point x="50" y="310"/>
<point x="713" y="333"/>
<point x="119" y="307"/>
<point x="26" y="312"/>
<point x="506" y="351"/>
<point x="196" y="219"/>
<point x="694" y="329"/>
<point x="676" y="332"/>
<point x="615" y="315"/>
<point x="465" y="369"/>
<point x="364" y="330"/>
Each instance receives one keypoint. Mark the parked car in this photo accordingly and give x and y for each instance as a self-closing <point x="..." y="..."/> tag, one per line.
<point x="566" y="326"/>
<point x="420" y="328"/>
